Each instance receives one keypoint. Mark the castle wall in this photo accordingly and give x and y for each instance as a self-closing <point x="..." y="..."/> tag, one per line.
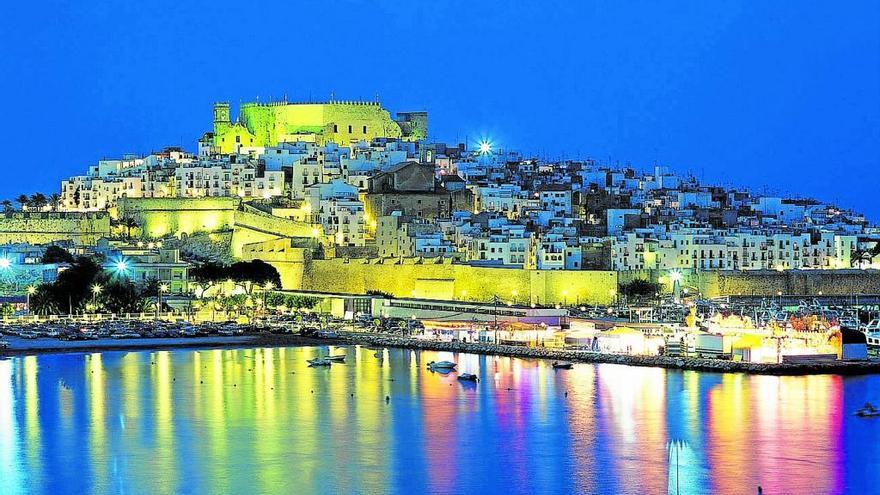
<point x="48" y="227"/>
<point x="284" y="255"/>
<point x="160" y="217"/>
<point x="460" y="282"/>
<point x="267" y="124"/>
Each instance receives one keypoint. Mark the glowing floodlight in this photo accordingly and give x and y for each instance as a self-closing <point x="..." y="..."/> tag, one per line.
<point x="121" y="266"/>
<point x="485" y="147"/>
<point x="5" y="263"/>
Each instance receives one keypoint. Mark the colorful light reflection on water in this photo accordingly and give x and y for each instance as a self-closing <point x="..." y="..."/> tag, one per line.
<point x="260" y="421"/>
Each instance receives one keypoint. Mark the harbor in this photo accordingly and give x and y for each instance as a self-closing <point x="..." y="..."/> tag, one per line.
<point x="239" y="419"/>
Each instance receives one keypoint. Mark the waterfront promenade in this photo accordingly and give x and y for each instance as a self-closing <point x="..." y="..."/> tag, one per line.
<point x="40" y="346"/>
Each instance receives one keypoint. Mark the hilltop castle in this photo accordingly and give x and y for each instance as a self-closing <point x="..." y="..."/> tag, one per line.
<point x="340" y="122"/>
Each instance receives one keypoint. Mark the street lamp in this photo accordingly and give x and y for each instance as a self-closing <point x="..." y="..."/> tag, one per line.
<point x="5" y="263"/>
<point x="96" y="289"/>
<point x="675" y="276"/>
<point x="266" y="288"/>
<point x="121" y="266"/>
<point x="162" y="288"/>
<point x="31" y="290"/>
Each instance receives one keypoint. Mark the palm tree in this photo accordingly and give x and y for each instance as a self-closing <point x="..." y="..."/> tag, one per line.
<point x="129" y="223"/>
<point x="55" y="201"/>
<point x="7" y="205"/>
<point x="23" y="200"/>
<point x="38" y="201"/>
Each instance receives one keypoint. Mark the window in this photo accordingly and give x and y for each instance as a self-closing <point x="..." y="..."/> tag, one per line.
<point x="365" y="129"/>
<point x="349" y="129"/>
<point x="335" y="128"/>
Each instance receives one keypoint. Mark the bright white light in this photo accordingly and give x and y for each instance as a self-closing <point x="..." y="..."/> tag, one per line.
<point x="675" y="276"/>
<point x="485" y="147"/>
<point x="5" y="263"/>
<point x="121" y="265"/>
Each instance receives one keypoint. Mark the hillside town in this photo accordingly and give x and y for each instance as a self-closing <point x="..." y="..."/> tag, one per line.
<point x="399" y="195"/>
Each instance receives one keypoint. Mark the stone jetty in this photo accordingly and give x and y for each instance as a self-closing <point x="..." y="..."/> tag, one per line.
<point x="682" y="363"/>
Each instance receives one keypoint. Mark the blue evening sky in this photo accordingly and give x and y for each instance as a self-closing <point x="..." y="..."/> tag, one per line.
<point x="777" y="95"/>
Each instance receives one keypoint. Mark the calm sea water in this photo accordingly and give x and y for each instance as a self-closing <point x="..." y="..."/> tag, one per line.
<point x="260" y="421"/>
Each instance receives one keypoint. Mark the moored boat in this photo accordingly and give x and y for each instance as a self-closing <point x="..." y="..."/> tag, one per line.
<point x="868" y="411"/>
<point x="441" y="365"/>
<point x="468" y="377"/>
<point x="338" y="358"/>
<point x="562" y="365"/>
<point x="319" y="362"/>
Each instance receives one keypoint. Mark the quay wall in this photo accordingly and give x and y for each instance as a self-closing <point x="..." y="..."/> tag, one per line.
<point x="693" y="364"/>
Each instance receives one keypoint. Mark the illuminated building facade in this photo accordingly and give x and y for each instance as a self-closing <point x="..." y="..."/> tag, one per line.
<point x="340" y="122"/>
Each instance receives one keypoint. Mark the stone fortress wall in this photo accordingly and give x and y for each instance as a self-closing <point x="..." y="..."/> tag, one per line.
<point x="47" y="227"/>
<point x="341" y="122"/>
<point x="288" y="245"/>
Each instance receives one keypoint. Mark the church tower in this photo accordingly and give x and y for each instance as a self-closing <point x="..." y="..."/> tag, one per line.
<point x="221" y="113"/>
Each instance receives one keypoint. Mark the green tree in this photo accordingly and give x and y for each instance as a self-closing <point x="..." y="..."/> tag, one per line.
<point x="57" y="254"/>
<point x="640" y="288"/>
<point x="121" y="296"/>
<point x="129" y="223"/>
<point x="22" y="200"/>
<point x="38" y="201"/>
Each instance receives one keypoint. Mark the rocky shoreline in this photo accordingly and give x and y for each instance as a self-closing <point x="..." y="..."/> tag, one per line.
<point x="681" y="363"/>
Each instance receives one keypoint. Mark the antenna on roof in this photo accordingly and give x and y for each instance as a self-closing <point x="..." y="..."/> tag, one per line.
<point x="332" y="96"/>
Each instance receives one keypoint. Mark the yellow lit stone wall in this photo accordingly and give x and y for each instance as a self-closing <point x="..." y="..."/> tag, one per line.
<point x="460" y="282"/>
<point x="47" y="227"/>
<point x="159" y="217"/>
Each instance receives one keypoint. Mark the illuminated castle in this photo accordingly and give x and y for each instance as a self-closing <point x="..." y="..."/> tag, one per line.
<point x="340" y="122"/>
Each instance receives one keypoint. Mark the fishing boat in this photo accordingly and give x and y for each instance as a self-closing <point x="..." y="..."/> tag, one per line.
<point x="868" y="411"/>
<point x="468" y="377"/>
<point x="337" y="358"/>
<point x="562" y="365"/>
<point x="441" y="365"/>
<point x="319" y="362"/>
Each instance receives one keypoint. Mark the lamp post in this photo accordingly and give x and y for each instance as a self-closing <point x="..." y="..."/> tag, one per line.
<point x="160" y="289"/>
<point x="96" y="289"/>
<point x="31" y="290"/>
<point x="675" y="276"/>
<point x="266" y="288"/>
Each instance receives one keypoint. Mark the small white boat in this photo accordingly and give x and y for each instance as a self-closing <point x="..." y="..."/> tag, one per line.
<point x="338" y="358"/>
<point x="319" y="362"/>
<point x="562" y="365"/>
<point x="468" y="377"/>
<point x="441" y="365"/>
<point x="868" y="411"/>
